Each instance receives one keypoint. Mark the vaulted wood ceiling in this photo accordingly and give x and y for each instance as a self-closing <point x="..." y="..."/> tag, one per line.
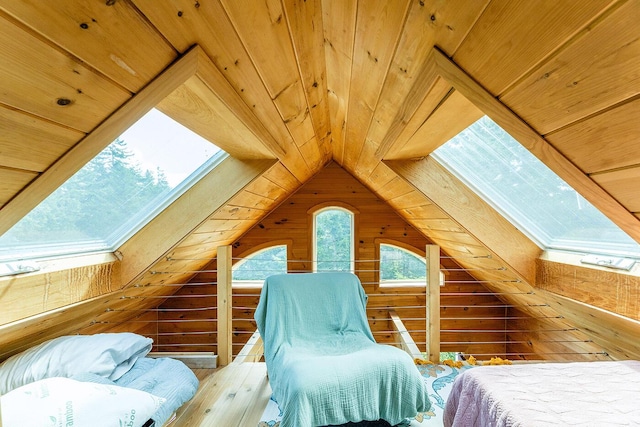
<point x="287" y="86"/>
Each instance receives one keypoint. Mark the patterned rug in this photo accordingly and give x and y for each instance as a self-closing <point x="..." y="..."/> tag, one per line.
<point x="438" y="378"/>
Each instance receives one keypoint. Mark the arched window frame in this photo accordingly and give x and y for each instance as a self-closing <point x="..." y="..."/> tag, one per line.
<point x="255" y="252"/>
<point x="411" y="250"/>
<point x="323" y="207"/>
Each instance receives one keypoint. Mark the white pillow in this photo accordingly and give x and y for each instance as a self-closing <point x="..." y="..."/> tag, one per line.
<point x="66" y="402"/>
<point x="108" y="355"/>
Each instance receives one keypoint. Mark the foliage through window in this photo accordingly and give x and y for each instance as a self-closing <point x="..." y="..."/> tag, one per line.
<point x="333" y="240"/>
<point x="252" y="270"/>
<point x="116" y="193"/>
<point x="400" y="267"/>
<point x="530" y="194"/>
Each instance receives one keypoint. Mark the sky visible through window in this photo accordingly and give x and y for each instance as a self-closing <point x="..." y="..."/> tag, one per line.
<point x="114" y="194"/>
<point x="529" y="194"/>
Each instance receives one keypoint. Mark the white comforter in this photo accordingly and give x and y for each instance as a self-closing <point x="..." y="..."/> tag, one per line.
<point x="546" y="394"/>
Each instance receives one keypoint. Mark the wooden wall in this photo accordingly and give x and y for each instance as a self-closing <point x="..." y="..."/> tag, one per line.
<point x="568" y="70"/>
<point x="592" y="286"/>
<point x="477" y="318"/>
<point x="465" y="303"/>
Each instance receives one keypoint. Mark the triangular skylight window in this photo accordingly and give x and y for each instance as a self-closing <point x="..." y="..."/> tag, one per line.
<point x="115" y="194"/>
<point x="529" y="194"/>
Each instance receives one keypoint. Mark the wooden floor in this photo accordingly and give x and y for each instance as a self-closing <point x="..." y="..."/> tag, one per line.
<point x="231" y="396"/>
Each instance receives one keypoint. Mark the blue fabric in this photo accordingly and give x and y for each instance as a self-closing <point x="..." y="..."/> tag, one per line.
<point x="162" y="377"/>
<point x="324" y="365"/>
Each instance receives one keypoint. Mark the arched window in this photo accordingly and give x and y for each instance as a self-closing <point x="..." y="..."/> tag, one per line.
<point x="252" y="270"/>
<point x="333" y="239"/>
<point x="401" y="267"/>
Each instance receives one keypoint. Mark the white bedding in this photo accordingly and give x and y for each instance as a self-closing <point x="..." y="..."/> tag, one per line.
<point x="546" y="394"/>
<point x="65" y="402"/>
<point x="109" y="355"/>
<point x="80" y="367"/>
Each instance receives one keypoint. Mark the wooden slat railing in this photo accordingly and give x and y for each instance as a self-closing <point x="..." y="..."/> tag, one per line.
<point x="403" y="337"/>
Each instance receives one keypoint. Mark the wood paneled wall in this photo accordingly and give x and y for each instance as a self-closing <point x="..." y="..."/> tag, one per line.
<point x="592" y="286"/>
<point x="550" y="339"/>
<point x="465" y="303"/>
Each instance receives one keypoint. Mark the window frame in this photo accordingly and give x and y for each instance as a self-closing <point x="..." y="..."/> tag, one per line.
<point x="246" y="256"/>
<point x="323" y="207"/>
<point x="540" y="230"/>
<point x="411" y="250"/>
<point x="440" y="66"/>
<point x="164" y="92"/>
<point x="535" y="143"/>
<point x="120" y="233"/>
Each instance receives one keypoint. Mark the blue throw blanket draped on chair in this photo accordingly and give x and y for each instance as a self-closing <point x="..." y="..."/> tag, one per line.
<point x="324" y="366"/>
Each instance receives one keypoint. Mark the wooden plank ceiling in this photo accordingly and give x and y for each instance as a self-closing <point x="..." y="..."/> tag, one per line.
<point x="374" y="85"/>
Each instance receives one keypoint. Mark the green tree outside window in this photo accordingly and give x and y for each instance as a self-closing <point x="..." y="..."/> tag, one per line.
<point x="334" y="240"/>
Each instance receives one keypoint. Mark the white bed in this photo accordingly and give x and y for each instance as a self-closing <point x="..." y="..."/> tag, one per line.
<point x="546" y="394"/>
<point x="93" y="380"/>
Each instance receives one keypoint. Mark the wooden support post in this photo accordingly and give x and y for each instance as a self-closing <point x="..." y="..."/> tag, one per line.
<point x="433" y="302"/>
<point x="225" y="353"/>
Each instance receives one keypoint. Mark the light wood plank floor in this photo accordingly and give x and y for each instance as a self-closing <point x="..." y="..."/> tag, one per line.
<point x="232" y="396"/>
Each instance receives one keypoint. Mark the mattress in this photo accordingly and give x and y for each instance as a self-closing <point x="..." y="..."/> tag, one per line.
<point x="546" y="394"/>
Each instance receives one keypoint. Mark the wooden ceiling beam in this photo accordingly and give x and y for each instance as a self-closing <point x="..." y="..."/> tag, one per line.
<point x="537" y="145"/>
<point x="472" y="213"/>
<point x="307" y="36"/>
<point x="193" y="74"/>
<point x="216" y="111"/>
<point x="425" y="81"/>
<point x="339" y="26"/>
<point x="409" y="96"/>
<point x="180" y="219"/>
<point x="97" y="140"/>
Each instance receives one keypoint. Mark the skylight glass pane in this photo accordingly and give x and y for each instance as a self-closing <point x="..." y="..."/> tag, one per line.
<point x="116" y="193"/>
<point x="529" y="194"/>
